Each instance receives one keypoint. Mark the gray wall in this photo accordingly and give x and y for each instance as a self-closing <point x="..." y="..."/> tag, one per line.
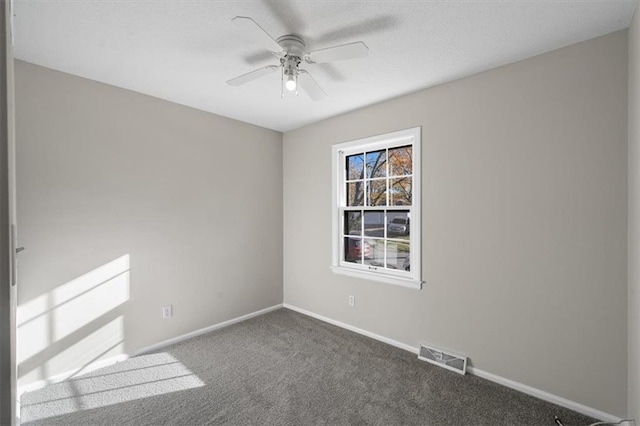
<point x="634" y="218"/>
<point x="524" y="222"/>
<point x="193" y="199"/>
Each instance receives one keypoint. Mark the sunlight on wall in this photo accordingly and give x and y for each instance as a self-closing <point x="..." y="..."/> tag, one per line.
<point x="84" y="299"/>
<point x="33" y="327"/>
<point x="107" y="341"/>
<point x="76" y="323"/>
<point x="140" y="377"/>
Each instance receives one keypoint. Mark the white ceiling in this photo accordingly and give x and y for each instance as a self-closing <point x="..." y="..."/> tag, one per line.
<point x="184" y="51"/>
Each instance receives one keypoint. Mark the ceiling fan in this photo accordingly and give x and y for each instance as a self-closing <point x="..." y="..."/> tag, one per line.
<point x="290" y="49"/>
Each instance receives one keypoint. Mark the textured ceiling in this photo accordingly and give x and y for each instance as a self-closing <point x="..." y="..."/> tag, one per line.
<point x="184" y="51"/>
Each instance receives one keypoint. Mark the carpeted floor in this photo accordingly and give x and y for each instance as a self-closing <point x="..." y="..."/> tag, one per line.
<point x="284" y="368"/>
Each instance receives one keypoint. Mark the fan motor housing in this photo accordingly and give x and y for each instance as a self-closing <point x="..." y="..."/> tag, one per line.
<point x="292" y="44"/>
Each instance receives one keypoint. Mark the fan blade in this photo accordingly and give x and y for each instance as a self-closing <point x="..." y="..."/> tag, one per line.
<point x="339" y="53"/>
<point x="250" y="76"/>
<point x="265" y="38"/>
<point x="310" y="86"/>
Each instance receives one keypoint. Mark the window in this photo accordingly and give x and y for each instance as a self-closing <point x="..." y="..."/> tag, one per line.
<point x="376" y="208"/>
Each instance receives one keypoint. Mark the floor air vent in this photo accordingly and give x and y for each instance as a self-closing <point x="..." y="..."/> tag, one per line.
<point x="446" y="359"/>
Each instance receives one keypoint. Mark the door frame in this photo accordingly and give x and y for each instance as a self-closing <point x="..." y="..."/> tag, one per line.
<point x="9" y="414"/>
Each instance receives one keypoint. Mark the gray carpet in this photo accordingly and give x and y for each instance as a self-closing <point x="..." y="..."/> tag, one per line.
<point x="284" y="368"/>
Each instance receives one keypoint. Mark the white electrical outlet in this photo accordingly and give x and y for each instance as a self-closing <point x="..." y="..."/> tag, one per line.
<point x="352" y="301"/>
<point x="167" y="312"/>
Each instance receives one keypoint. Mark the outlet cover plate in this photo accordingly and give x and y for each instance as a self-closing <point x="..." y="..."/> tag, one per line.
<point x="167" y="312"/>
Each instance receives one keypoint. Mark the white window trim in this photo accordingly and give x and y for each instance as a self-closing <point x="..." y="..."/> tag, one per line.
<point x="412" y="279"/>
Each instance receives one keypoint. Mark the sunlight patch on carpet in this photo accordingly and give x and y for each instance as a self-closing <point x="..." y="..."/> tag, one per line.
<point x="150" y="375"/>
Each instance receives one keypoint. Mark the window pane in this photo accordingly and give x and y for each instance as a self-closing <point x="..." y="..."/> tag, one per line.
<point x="352" y="223"/>
<point x="355" y="167"/>
<point x="377" y="192"/>
<point x="398" y="224"/>
<point x="355" y="193"/>
<point x="377" y="207"/>
<point x="374" y="224"/>
<point x="400" y="192"/>
<point x="400" y="163"/>
<point x="373" y="252"/>
<point x="353" y="250"/>
<point x="398" y="255"/>
<point x="377" y="164"/>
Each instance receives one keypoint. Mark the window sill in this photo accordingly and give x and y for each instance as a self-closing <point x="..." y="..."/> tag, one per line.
<point x="403" y="282"/>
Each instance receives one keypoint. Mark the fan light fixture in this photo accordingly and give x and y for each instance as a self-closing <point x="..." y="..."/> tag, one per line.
<point x="289" y="63"/>
<point x="291" y="83"/>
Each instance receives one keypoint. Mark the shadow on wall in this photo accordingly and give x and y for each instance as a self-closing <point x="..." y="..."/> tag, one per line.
<point x="62" y="332"/>
<point x="68" y="331"/>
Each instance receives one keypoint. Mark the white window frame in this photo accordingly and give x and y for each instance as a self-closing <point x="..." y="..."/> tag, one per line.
<point x="412" y="278"/>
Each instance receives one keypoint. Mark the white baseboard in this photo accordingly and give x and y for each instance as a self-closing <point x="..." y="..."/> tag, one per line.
<point x="540" y="394"/>
<point x="545" y="396"/>
<point x="354" y="329"/>
<point x="204" y="330"/>
<point x="106" y="362"/>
